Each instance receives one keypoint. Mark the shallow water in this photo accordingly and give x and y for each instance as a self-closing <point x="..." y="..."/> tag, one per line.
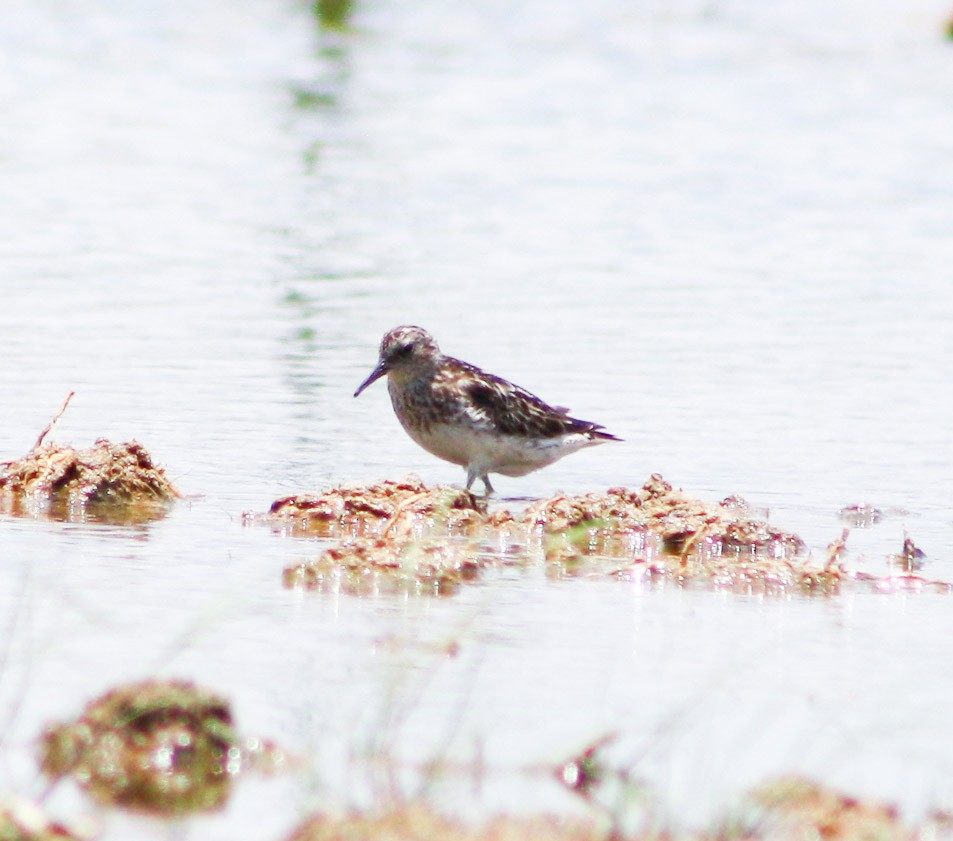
<point x="721" y="231"/>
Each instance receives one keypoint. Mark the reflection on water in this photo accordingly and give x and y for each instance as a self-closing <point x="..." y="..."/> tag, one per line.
<point x="67" y="511"/>
<point x="720" y="229"/>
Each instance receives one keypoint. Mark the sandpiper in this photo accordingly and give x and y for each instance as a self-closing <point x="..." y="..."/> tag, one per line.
<point x="464" y="415"/>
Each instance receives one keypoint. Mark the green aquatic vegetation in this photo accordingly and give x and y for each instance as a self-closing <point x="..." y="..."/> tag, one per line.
<point x="333" y="14"/>
<point x="308" y="99"/>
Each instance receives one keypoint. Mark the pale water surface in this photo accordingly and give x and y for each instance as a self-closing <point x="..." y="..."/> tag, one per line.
<point x="722" y="229"/>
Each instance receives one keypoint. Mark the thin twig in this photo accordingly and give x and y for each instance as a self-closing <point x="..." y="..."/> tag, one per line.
<point x="56" y="419"/>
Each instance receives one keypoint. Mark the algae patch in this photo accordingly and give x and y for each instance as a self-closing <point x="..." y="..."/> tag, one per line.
<point x="161" y="747"/>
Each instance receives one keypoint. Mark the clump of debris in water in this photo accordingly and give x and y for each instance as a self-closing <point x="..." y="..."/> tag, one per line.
<point x="113" y="482"/>
<point x="404" y="536"/>
<point x="160" y="747"/>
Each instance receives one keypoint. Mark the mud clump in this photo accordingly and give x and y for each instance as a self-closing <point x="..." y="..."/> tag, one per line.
<point x="367" y="510"/>
<point x="160" y="747"/>
<point x="365" y="566"/>
<point x="398" y="537"/>
<point x="115" y="481"/>
<point x="409" y="538"/>
<point x="619" y="518"/>
<point x="680" y="521"/>
<point x="666" y="534"/>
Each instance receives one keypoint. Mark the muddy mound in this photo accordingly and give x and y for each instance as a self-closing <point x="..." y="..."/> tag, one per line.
<point x="680" y="521"/>
<point x="394" y="508"/>
<point x="408" y="537"/>
<point x="58" y="479"/>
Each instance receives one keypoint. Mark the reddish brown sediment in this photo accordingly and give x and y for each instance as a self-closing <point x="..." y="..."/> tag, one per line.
<point x="57" y="479"/>
<point x="405" y="536"/>
<point x="369" y="510"/>
<point x="681" y="521"/>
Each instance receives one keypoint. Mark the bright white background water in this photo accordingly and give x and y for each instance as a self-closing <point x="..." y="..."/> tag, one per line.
<point x="722" y="229"/>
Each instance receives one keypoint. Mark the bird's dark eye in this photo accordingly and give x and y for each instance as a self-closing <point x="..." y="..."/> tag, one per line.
<point x="403" y="351"/>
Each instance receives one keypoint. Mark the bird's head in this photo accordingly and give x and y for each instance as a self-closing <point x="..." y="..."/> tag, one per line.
<point x="404" y="352"/>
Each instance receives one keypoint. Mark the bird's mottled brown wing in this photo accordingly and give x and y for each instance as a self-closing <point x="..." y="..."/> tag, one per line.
<point x="509" y="409"/>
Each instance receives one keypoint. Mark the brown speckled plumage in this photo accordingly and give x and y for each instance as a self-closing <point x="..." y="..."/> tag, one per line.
<point x="465" y="415"/>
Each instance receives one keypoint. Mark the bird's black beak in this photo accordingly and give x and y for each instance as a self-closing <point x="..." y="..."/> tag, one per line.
<point x="376" y="374"/>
